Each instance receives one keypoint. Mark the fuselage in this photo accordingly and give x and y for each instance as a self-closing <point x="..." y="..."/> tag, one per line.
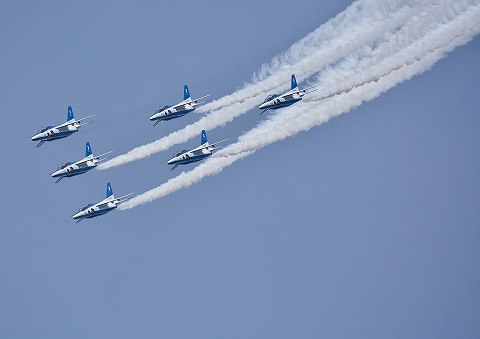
<point x="176" y="111"/>
<point x="276" y="101"/>
<point x="188" y="156"/>
<point x="94" y="210"/>
<point x="56" y="132"/>
<point x="71" y="169"/>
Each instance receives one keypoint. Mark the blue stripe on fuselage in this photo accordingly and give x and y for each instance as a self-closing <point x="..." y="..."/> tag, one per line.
<point x="191" y="159"/>
<point x="55" y="136"/>
<point x="282" y="104"/>
<point x="99" y="213"/>
<point x="174" y="115"/>
<point x="78" y="171"/>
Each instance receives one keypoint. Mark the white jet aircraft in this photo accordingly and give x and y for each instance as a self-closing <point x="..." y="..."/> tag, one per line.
<point x="179" y="110"/>
<point x="100" y="208"/>
<point x="201" y="152"/>
<point x="274" y="101"/>
<point x="70" y="169"/>
<point x="50" y="133"/>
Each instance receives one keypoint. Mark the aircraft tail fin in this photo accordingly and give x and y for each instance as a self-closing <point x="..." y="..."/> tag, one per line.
<point x="88" y="149"/>
<point x="109" y="190"/>
<point x="294" y="82"/>
<point x="70" y="113"/>
<point x="186" y="93"/>
<point x="204" y="137"/>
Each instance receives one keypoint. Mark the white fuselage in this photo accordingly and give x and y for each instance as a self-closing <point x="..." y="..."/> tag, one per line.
<point x="176" y="111"/>
<point x="282" y="100"/>
<point x="187" y="157"/>
<point x="76" y="168"/>
<point x="57" y="132"/>
<point x="95" y="210"/>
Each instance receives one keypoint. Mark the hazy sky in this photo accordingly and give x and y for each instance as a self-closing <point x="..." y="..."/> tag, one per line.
<point x="363" y="227"/>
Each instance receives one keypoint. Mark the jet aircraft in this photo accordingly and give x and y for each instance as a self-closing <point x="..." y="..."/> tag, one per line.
<point x="49" y="133"/>
<point x="201" y="152"/>
<point x="274" y="101"/>
<point x="70" y="169"/>
<point x="179" y="110"/>
<point x="100" y="208"/>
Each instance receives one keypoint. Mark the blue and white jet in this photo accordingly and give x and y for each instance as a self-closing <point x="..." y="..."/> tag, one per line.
<point x="70" y="169"/>
<point x="179" y="110"/>
<point x="49" y="133"/>
<point x="274" y="101"/>
<point x="197" y="154"/>
<point x="100" y="208"/>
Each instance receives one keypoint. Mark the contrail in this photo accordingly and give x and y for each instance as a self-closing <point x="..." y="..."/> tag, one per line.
<point x="363" y="23"/>
<point x="305" y="115"/>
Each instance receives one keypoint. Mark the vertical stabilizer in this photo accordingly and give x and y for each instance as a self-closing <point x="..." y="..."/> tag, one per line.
<point x="294" y="82"/>
<point x="186" y="93"/>
<point x="204" y="137"/>
<point x="70" y="113"/>
<point x="109" y="190"/>
<point x="88" y="150"/>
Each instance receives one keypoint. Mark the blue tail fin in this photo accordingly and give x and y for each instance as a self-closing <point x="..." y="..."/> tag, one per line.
<point x="109" y="189"/>
<point x="294" y="82"/>
<point x="70" y="113"/>
<point x="186" y="93"/>
<point x="204" y="137"/>
<point x="88" y="150"/>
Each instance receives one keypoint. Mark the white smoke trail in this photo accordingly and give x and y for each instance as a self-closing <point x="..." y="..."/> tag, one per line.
<point x="362" y="23"/>
<point x="306" y="115"/>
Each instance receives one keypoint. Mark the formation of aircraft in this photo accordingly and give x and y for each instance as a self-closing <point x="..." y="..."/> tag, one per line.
<point x="275" y="101"/>
<point x="70" y="169"/>
<point x="197" y="154"/>
<point x="100" y="208"/>
<point x="179" y="110"/>
<point x="49" y="133"/>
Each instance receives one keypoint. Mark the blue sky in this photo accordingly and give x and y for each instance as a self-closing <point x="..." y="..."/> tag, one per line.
<point x="365" y="226"/>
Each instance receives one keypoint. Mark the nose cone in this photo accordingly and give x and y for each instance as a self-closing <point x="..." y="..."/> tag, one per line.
<point x="171" y="161"/>
<point x="56" y="173"/>
<point x="78" y="215"/>
<point x="36" y="137"/>
<point x="156" y="116"/>
<point x="262" y="106"/>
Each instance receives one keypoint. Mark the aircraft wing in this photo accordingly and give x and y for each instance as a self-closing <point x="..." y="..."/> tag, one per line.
<point x="123" y="198"/>
<point x="309" y="89"/>
<point x="101" y="155"/>
<point x="91" y="116"/>
<point x="205" y="96"/>
<point x="218" y="142"/>
<point x="210" y="145"/>
<point x="180" y="108"/>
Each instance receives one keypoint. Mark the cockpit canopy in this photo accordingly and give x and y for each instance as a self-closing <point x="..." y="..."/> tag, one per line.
<point x="44" y="128"/>
<point x="179" y="153"/>
<point x="65" y="164"/>
<point x="161" y="109"/>
<point x="271" y="97"/>
<point x="84" y="207"/>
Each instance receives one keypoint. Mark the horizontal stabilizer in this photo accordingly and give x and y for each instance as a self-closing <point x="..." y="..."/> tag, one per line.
<point x="156" y="122"/>
<point x="124" y="198"/>
<point x="175" y="166"/>
<point x="59" y="179"/>
<point x="205" y="96"/>
<point x="90" y="116"/>
<point x="101" y="155"/>
<point x="85" y="123"/>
